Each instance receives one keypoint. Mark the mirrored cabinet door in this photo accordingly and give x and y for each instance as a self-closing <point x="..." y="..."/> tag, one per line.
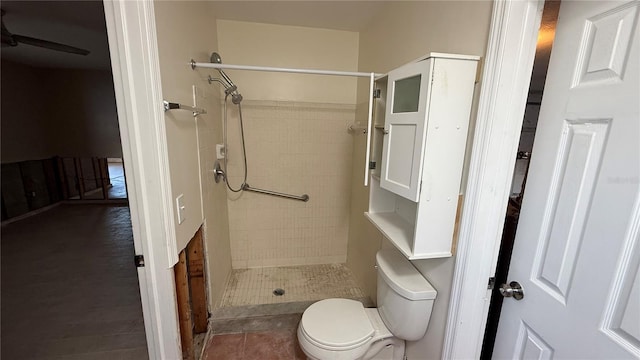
<point x="403" y="144"/>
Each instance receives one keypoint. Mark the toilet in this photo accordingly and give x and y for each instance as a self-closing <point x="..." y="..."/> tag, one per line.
<point x="343" y="329"/>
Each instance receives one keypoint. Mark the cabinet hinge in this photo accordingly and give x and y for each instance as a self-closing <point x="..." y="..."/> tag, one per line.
<point x="139" y="260"/>
<point x="372" y="165"/>
<point x="492" y="283"/>
<point x="376" y="94"/>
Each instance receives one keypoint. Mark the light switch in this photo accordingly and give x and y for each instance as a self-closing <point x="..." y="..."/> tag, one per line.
<point x="181" y="208"/>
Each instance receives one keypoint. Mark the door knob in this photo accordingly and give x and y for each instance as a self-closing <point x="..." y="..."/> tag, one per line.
<point x="513" y="289"/>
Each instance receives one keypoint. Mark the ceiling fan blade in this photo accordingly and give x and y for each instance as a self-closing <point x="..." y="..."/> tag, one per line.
<point x="49" y="45"/>
<point x="7" y="37"/>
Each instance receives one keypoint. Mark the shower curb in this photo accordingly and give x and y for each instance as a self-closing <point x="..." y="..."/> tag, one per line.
<point x="255" y="323"/>
<point x="238" y="319"/>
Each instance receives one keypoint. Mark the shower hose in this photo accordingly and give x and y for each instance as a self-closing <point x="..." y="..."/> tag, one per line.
<point x="244" y="150"/>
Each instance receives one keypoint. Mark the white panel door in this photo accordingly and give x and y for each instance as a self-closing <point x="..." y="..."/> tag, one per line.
<point x="577" y="249"/>
<point x="405" y="128"/>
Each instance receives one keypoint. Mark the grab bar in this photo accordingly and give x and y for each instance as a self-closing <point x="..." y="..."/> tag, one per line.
<point x="303" y="197"/>
<point x="171" y="106"/>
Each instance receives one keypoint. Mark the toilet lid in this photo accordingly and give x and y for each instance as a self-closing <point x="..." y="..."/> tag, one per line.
<point x="337" y="323"/>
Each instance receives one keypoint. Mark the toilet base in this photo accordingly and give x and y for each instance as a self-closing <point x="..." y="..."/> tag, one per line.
<point x="385" y="349"/>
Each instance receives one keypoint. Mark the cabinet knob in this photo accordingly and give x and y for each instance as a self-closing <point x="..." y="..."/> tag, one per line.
<point x="385" y="131"/>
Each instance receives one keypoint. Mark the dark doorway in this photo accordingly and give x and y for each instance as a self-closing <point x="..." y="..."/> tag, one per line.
<point x="69" y="283"/>
<point x="538" y="76"/>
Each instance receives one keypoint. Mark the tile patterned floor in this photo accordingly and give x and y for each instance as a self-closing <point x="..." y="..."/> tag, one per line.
<point x="301" y="283"/>
<point x="266" y="345"/>
<point x="69" y="286"/>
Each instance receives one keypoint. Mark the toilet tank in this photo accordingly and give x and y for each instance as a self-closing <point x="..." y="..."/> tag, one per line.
<point x="405" y="297"/>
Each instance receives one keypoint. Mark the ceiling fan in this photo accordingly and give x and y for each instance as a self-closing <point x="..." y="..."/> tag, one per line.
<point x="9" y="39"/>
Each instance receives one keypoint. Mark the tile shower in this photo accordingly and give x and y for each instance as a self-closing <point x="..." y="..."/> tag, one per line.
<point x="301" y="283"/>
<point x="297" y="148"/>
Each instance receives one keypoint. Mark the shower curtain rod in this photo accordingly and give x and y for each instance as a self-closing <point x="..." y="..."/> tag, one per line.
<point x="372" y="76"/>
<point x="277" y="69"/>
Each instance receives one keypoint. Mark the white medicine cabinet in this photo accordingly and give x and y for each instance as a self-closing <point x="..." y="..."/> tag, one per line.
<point x="421" y="121"/>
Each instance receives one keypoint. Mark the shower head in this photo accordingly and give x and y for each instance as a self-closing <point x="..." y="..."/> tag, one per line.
<point x="215" y="58"/>
<point x="230" y="87"/>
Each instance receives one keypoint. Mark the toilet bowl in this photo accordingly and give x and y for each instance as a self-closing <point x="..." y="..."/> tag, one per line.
<point x="343" y="329"/>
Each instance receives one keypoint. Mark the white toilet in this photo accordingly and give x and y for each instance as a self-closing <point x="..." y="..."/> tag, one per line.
<point x="343" y="329"/>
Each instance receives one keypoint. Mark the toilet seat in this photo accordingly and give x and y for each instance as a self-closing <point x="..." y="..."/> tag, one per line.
<point x="337" y="329"/>
<point x="336" y="324"/>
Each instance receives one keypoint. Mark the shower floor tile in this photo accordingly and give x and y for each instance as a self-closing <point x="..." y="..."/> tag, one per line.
<point x="300" y="283"/>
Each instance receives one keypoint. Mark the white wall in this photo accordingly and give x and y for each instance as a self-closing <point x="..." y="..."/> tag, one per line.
<point x="187" y="30"/>
<point x="247" y="43"/>
<point x="402" y="32"/>
<point x="57" y="112"/>
<point x="297" y="142"/>
<point x="297" y="148"/>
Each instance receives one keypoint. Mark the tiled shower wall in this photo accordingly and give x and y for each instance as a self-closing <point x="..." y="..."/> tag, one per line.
<point x="296" y="148"/>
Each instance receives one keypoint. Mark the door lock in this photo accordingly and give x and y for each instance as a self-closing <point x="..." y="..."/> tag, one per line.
<point x="513" y="289"/>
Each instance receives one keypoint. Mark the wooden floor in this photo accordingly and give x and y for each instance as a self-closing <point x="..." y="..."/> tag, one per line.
<point x="69" y="286"/>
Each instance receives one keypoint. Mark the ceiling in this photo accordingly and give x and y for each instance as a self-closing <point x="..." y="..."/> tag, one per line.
<point x="82" y="24"/>
<point x="337" y="15"/>
<point x="76" y="23"/>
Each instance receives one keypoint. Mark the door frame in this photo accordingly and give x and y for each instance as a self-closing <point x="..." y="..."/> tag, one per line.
<point x="136" y="76"/>
<point x="507" y="70"/>
<point x="505" y="84"/>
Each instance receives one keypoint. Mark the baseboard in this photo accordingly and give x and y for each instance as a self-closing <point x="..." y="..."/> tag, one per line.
<point x="114" y="202"/>
<point x="29" y="214"/>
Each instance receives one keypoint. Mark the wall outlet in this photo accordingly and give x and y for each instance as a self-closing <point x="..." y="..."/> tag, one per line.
<point x="181" y="208"/>
<point x="220" y="151"/>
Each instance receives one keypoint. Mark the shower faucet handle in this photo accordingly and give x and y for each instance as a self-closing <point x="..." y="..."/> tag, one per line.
<point x="218" y="172"/>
